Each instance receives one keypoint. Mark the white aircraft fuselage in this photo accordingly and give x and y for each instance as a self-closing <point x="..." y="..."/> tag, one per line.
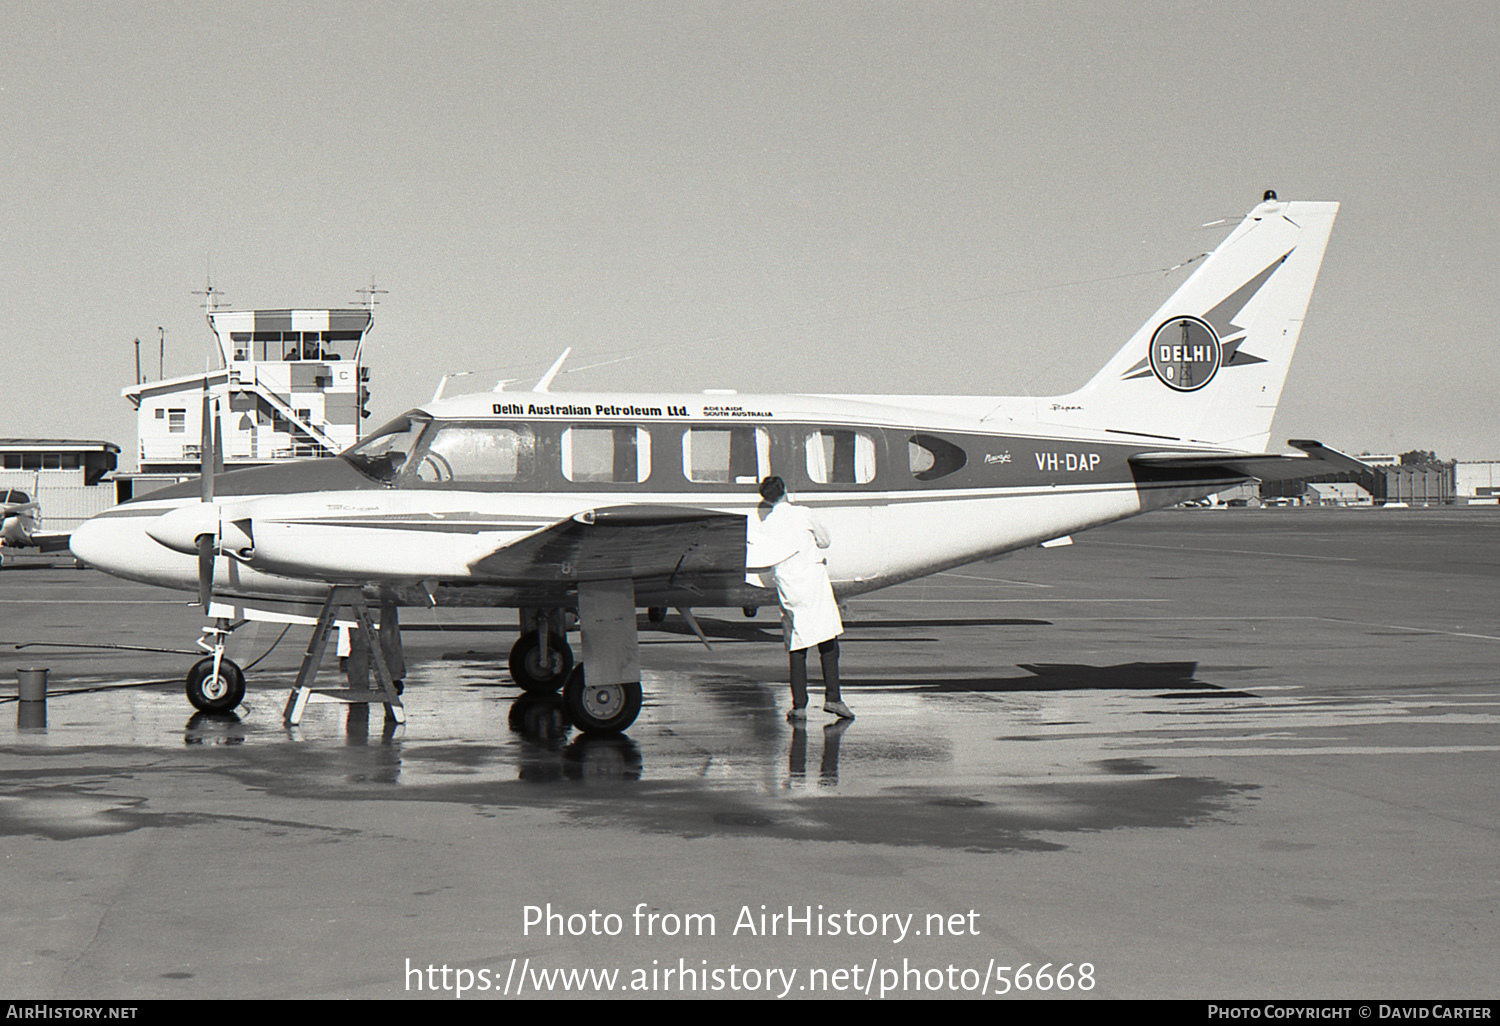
<point x="896" y="511"/>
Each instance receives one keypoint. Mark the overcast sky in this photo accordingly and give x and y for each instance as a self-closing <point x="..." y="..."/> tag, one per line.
<point x="862" y="197"/>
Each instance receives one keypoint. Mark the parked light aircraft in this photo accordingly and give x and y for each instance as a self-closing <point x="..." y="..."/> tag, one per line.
<point x="592" y="505"/>
<point x="19" y="518"/>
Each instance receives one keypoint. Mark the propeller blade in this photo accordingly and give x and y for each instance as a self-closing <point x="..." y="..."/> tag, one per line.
<point x="206" y="555"/>
<point x="218" y="440"/>
<point x="206" y="453"/>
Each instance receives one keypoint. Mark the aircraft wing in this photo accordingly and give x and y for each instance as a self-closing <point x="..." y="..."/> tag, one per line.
<point x="1265" y="466"/>
<point x="618" y="542"/>
<point x="50" y="542"/>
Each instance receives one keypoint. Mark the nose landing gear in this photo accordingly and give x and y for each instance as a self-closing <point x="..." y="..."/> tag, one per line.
<point x="216" y="684"/>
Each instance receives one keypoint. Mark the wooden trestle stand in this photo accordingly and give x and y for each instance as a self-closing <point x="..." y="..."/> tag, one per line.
<point x="365" y="635"/>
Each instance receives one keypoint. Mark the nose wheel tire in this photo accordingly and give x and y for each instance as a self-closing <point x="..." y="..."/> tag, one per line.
<point x="210" y="693"/>
<point x="601" y="708"/>
<point x="536" y="675"/>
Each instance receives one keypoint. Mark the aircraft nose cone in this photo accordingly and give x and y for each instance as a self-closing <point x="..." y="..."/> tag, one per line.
<point x="116" y="542"/>
<point x="90" y="542"/>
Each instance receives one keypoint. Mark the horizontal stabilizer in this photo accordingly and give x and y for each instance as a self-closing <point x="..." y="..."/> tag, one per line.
<point x="1341" y="461"/>
<point x="1264" y="466"/>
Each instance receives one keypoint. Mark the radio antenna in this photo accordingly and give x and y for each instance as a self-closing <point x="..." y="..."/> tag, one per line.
<point x="370" y="293"/>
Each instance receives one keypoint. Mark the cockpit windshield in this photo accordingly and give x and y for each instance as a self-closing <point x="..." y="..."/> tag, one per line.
<point x="383" y="454"/>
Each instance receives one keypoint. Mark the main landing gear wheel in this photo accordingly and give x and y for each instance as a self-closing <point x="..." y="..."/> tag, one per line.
<point x="528" y="669"/>
<point x="601" y="708"/>
<point x="215" y="694"/>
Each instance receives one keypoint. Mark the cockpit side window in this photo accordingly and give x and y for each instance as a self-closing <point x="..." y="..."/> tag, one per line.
<point x="383" y="454"/>
<point x="475" y="453"/>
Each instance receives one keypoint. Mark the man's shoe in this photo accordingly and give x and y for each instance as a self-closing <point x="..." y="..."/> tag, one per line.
<point x="797" y="714"/>
<point x="839" y="709"/>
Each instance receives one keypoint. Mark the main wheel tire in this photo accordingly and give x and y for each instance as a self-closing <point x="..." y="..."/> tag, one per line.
<point x="601" y="708"/>
<point x="212" y="694"/>
<point x="528" y="670"/>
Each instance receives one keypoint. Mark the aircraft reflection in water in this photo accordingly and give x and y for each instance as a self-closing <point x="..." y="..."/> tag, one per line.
<point x="584" y="507"/>
<point x="547" y="753"/>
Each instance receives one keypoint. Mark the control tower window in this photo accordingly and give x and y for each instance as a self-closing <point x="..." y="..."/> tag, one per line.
<point x="840" y="457"/>
<point x="301" y="345"/>
<point x="606" y="454"/>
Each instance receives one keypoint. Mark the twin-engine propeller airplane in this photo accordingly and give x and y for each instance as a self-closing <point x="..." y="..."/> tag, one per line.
<point x="592" y="505"/>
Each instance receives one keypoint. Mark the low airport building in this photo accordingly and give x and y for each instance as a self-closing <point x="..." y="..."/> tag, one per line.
<point x="1337" y="493"/>
<point x="70" y="480"/>
<point x="1477" y="482"/>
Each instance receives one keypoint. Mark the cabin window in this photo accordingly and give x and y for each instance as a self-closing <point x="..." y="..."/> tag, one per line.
<point x="726" y="455"/>
<point x="931" y="457"/>
<point x="840" y="457"/>
<point x="619" y="455"/>
<point x="477" y="452"/>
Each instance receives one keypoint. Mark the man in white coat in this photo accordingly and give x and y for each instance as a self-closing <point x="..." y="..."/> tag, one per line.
<point x="809" y="613"/>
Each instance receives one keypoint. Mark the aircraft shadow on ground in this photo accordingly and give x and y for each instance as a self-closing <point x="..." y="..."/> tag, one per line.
<point x="729" y="630"/>
<point x="758" y="630"/>
<point x="1172" y="679"/>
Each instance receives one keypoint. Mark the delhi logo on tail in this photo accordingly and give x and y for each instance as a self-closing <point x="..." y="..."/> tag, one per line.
<point x="1185" y="354"/>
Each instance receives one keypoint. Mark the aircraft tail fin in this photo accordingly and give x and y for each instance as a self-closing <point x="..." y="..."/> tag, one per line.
<point x="1210" y="364"/>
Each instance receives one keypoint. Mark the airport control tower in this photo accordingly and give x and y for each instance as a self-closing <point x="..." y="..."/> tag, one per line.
<point x="291" y="385"/>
